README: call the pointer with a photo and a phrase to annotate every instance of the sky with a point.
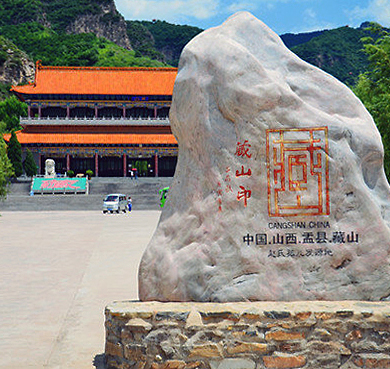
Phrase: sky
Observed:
(282, 16)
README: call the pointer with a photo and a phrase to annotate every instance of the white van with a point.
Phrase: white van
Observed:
(115, 202)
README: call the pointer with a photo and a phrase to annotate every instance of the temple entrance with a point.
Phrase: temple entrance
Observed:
(144, 166)
(167, 166)
(81, 165)
(111, 166)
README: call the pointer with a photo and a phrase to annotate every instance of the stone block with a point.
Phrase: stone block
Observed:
(246, 348)
(170, 364)
(233, 364)
(283, 336)
(138, 325)
(114, 349)
(210, 350)
(367, 361)
(135, 352)
(284, 361)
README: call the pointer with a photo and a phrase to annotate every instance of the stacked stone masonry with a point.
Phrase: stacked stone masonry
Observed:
(253, 335)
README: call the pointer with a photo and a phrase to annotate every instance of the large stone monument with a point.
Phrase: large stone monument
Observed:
(279, 191)
(279, 194)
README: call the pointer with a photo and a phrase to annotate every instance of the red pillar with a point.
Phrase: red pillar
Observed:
(29, 111)
(96, 111)
(67, 111)
(40, 164)
(155, 165)
(39, 111)
(124, 165)
(67, 162)
(96, 164)
(124, 111)
(155, 111)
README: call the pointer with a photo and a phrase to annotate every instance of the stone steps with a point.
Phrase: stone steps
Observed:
(143, 191)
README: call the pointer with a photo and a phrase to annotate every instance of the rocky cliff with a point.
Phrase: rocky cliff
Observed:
(15, 66)
(109, 23)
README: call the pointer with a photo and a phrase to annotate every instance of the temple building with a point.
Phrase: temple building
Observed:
(108, 120)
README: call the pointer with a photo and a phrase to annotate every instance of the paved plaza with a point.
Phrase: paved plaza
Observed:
(58, 271)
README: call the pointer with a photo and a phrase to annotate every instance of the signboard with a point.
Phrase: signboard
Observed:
(59, 185)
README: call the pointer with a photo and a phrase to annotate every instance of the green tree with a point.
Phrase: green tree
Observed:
(29, 165)
(11, 109)
(373, 86)
(6, 171)
(15, 154)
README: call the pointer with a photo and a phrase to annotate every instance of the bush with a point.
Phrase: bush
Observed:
(89, 173)
(70, 173)
(29, 165)
(14, 152)
(6, 170)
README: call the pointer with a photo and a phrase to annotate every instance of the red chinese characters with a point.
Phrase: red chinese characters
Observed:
(244, 193)
(243, 151)
(53, 184)
(298, 172)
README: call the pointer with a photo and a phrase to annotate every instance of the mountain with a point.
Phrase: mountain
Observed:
(338, 52)
(170, 39)
(68, 16)
(159, 39)
(94, 33)
(294, 39)
(67, 32)
(15, 65)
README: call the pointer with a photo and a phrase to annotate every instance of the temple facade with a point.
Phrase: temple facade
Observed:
(109, 120)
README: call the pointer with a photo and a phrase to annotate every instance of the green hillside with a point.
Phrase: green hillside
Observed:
(25, 23)
(57, 13)
(338, 52)
(159, 39)
(85, 49)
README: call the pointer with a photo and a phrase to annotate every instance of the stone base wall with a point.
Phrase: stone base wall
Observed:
(253, 335)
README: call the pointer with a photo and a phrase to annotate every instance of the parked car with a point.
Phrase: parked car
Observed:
(115, 202)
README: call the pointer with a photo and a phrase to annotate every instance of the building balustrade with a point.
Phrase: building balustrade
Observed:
(159, 121)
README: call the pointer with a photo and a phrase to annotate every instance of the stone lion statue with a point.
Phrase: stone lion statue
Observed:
(50, 168)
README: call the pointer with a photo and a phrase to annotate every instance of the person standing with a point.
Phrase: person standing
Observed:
(129, 203)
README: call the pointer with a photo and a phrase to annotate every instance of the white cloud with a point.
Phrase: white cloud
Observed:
(310, 23)
(235, 7)
(376, 10)
(310, 14)
(169, 10)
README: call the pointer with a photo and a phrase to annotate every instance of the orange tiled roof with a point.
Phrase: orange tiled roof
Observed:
(100, 81)
(92, 138)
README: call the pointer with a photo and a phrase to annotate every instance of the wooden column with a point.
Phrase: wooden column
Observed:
(96, 164)
(124, 165)
(155, 111)
(67, 162)
(67, 111)
(40, 164)
(96, 111)
(124, 111)
(155, 165)
(39, 110)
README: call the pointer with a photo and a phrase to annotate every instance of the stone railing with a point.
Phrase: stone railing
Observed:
(104, 121)
(248, 335)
